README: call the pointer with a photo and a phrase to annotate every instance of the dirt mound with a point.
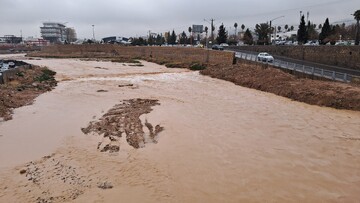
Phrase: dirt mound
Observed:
(323, 93)
(24, 87)
(125, 118)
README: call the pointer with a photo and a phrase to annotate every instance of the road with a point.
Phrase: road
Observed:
(307, 63)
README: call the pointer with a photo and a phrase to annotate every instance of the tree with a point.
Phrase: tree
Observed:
(286, 27)
(242, 27)
(320, 26)
(206, 35)
(292, 28)
(235, 26)
(263, 31)
(302, 33)
(190, 30)
(173, 38)
(248, 38)
(311, 33)
(325, 32)
(160, 40)
(222, 35)
(183, 38)
(279, 28)
(357, 18)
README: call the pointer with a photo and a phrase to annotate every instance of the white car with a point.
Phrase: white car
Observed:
(224, 45)
(265, 57)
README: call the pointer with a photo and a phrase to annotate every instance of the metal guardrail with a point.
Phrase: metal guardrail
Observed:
(332, 75)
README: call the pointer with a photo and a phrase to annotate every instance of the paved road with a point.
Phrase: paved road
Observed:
(308, 63)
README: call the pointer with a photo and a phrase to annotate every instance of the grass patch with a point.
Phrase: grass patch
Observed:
(46, 75)
(197, 66)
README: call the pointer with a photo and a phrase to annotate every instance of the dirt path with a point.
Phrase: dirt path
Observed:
(220, 143)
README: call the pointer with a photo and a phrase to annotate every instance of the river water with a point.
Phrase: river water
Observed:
(221, 143)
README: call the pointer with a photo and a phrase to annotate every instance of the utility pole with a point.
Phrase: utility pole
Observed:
(211, 21)
(212, 31)
(275, 27)
(93, 32)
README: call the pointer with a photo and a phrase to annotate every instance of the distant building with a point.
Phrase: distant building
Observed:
(30, 41)
(10, 39)
(116, 40)
(54, 32)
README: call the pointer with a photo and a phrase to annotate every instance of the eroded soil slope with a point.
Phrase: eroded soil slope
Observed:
(23, 88)
(323, 93)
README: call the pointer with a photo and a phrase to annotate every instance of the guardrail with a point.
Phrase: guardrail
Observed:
(332, 75)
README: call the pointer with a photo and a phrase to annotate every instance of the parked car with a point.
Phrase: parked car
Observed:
(224, 45)
(265, 57)
(217, 47)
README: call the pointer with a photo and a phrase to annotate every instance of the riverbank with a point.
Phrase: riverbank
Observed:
(23, 87)
(315, 92)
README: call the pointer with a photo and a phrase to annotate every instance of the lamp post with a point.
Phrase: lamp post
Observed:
(275, 27)
(93, 26)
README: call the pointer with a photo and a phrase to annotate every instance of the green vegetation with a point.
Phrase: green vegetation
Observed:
(248, 38)
(263, 31)
(46, 75)
(197, 66)
(357, 18)
(222, 35)
(20, 74)
(325, 32)
(302, 33)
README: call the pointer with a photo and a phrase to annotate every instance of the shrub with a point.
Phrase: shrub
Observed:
(197, 66)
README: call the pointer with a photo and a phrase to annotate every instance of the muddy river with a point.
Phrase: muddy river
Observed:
(220, 143)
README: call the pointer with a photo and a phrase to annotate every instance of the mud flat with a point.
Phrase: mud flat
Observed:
(220, 142)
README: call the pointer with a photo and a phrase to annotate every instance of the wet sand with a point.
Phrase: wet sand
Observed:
(221, 142)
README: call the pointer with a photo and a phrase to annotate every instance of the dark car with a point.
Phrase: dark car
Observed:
(217, 47)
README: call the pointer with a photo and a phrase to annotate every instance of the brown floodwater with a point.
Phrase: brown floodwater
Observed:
(221, 143)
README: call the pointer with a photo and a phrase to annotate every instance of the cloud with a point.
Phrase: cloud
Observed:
(137, 17)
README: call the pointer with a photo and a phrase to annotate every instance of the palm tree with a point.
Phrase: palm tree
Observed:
(235, 26)
(243, 27)
(357, 18)
(263, 31)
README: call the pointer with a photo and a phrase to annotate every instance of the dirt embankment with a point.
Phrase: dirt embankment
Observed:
(23, 88)
(323, 93)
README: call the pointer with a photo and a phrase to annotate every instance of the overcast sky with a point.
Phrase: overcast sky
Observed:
(136, 17)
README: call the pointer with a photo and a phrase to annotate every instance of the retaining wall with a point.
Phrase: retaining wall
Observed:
(342, 56)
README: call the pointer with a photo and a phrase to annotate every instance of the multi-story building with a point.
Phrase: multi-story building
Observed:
(54, 32)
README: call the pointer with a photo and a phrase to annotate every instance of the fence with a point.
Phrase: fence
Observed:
(332, 75)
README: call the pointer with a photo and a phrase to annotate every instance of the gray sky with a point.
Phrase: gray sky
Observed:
(136, 17)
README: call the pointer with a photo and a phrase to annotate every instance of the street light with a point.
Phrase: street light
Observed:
(93, 32)
(275, 27)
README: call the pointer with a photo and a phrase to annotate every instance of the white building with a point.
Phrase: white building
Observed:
(54, 32)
